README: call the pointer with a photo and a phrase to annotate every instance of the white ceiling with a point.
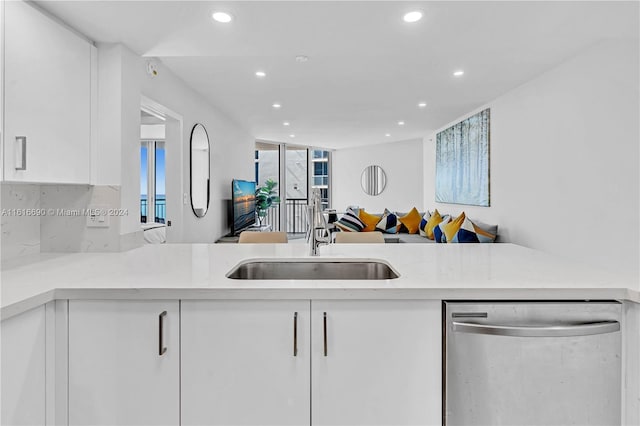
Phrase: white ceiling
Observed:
(367, 69)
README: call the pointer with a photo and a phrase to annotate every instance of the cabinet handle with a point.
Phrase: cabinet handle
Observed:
(295, 334)
(559, 330)
(161, 347)
(324, 321)
(21, 153)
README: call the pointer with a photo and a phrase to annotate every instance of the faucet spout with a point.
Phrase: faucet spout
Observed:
(318, 233)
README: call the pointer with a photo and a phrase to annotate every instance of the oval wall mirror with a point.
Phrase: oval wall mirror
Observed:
(200, 170)
(373, 180)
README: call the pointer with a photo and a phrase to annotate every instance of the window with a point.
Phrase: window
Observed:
(153, 202)
(320, 177)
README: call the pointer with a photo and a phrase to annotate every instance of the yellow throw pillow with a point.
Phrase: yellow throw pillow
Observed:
(411, 221)
(370, 220)
(452, 228)
(433, 221)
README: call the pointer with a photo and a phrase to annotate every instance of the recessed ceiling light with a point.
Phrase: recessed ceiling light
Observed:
(261, 74)
(302, 58)
(387, 134)
(414, 16)
(222, 17)
(400, 123)
(286, 123)
(292, 136)
(422, 104)
(458, 73)
(276, 105)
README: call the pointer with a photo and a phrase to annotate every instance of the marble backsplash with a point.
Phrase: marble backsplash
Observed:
(20, 234)
(63, 228)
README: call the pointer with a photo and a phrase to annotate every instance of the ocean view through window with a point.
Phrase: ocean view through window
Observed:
(153, 181)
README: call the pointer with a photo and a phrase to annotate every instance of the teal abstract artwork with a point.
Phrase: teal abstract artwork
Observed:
(462, 162)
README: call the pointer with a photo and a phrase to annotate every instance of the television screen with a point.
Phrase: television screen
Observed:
(244, 204)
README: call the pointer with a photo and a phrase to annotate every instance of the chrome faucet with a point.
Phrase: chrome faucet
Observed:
(318, 233)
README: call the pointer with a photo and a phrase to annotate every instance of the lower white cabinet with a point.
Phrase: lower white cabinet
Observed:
(320, 362)
(226, 363)
(376, 362)
(245, 362)
(124, 362)
(23, 369)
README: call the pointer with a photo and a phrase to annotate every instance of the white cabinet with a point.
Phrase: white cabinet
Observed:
(124, 362)
(47, 98)
(380, 365)
(23, 368)
(240, 365)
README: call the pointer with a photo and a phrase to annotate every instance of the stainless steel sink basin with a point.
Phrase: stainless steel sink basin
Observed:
(312, 269)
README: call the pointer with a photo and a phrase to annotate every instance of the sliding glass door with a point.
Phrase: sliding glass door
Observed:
(267, 163)
(297, 184)
(304, 169)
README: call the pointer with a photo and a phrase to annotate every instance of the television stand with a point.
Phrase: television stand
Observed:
(258, 228)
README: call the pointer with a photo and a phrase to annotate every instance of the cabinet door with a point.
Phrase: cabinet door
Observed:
(117, 374)
(47, 98)
(23, 369)
(239, 366)
(381, 364)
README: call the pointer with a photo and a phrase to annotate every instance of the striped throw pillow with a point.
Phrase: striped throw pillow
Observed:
(423, 224)
(438, 230)
(463, 230)
(388, 223)
(350, 222)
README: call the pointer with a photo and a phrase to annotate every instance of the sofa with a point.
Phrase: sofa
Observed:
(394, 230)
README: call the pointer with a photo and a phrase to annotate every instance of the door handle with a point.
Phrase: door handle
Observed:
(161, 347)
(560, 330)
(324, 322)
(295, 334)
(21, 153)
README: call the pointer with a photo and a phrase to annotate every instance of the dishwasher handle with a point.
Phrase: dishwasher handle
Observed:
(563, 330)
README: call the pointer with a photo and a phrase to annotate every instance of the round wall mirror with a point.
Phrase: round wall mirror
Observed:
(200, 170)
(373, 180)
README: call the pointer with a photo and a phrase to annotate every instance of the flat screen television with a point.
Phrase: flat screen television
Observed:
(243, 200)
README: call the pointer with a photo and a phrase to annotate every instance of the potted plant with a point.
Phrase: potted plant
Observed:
(266, 197)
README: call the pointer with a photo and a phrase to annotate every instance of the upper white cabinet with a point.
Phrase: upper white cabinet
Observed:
(376, 362)
(23, 369)
(124, 363)
(47, 99)
(245, 362)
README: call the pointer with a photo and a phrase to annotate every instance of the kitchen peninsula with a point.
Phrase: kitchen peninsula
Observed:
(165, 321)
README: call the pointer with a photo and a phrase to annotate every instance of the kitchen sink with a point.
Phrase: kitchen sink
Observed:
(312, 269)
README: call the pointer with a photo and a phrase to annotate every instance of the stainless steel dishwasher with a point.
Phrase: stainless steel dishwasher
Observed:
(534, 363)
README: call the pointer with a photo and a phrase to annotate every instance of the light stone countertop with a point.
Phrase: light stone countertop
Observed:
(195, 271)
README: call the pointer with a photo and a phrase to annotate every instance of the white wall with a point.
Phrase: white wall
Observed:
(108, 167)
(231, 146)
(403, 165)
(564, 160)
(231, 150)
(130, 155)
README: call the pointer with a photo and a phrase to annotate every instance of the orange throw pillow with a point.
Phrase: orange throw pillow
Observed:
(451, 228)
(433, 221)
(370, 220)
(411, 221)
